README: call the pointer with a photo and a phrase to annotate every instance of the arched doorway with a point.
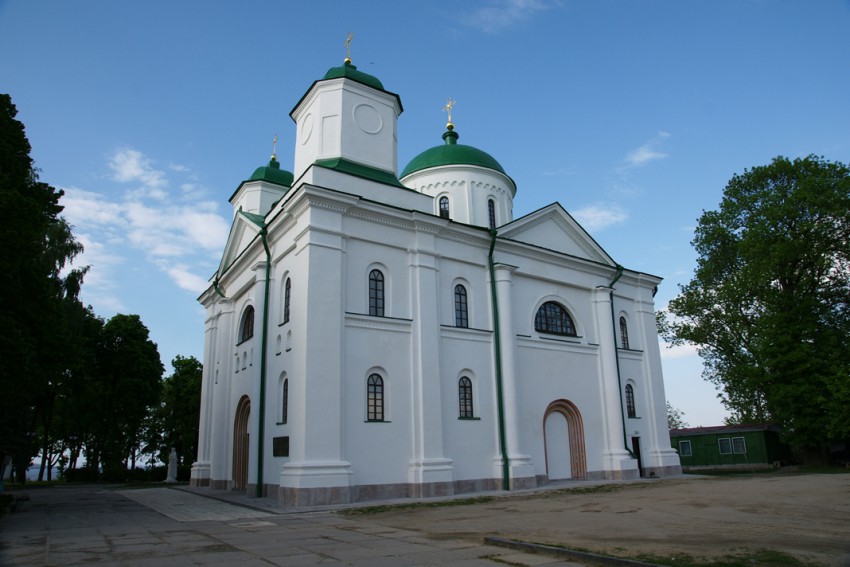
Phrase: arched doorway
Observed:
(240, 444)
(563, 438)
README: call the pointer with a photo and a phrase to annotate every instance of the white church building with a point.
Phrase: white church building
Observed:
(373, 335)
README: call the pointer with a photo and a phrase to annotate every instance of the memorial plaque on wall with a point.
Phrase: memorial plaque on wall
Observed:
(280, 446)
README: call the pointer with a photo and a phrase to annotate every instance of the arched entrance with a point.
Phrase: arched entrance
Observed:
(240, 444)
(563, 438)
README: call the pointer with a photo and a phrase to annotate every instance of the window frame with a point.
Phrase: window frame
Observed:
(466, 407)
(682, 445)
(551, 316)
(461, 306)
(727, 445)
(284, 403)
(443, 207)
(631, 410)
(287, 288)
(491, 212)
(377, 293)
(375, 398)
(743, 443)
(624, 333)
(246, 326)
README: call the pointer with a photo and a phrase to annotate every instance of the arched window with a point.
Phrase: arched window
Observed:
(247, 329)
(461, 311)
(444, 207)
(491, 211)
(630, 401)
(284, 402)
(553, 318)
(287, 288)
(464, 394)
(375, 398)
(376, 293)
(624, 333)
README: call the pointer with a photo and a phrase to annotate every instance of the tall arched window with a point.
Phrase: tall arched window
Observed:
(461, 310)
(375, 398)
(464, 394)
(246, 331)
(553, 318)
(624, 333)
(287, 288)
(376, 293)
(284, 402)
(444, 207)
(630, 401)
(491, 211)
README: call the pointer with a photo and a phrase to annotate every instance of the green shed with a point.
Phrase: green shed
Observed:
(730, 446)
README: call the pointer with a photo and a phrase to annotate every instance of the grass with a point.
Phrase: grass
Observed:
(757, 558)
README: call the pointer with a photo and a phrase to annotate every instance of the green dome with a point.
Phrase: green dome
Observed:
(272, 173)
(451, 153)
(349, 71)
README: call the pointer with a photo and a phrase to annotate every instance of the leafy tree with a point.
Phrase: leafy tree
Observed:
(125, 389)
(768, 304)
(37, 244)
(675, 418)
(177, 418)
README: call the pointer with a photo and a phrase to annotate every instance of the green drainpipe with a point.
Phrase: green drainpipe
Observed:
(497, 348)
(264, 338)
(617, 358)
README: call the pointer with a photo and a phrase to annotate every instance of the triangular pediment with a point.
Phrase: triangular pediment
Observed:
(554, 228)
(245, 228)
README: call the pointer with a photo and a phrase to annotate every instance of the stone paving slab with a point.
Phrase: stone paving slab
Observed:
(81, 525)
(185, 507)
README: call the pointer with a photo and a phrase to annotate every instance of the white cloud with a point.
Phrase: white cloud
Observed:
(648, 151)
(678, 351)
(598, 216)
(187, 280)
(501, 14)
(130, 165)
(177, 239)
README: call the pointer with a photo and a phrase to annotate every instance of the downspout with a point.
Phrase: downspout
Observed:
(617, 358)
(264, 339)
(497, 349)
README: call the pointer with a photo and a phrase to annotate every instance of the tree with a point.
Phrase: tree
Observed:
(177, 418)
(675, 418)
(768, 304)
(37, 245)
(125, 389)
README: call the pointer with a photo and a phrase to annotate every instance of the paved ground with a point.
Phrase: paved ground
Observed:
(807, 516)
(76, 525)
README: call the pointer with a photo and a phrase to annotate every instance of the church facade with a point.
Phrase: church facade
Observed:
(372, 335)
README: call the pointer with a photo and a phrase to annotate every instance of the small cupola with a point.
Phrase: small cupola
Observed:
(468, 185)
(263, 189)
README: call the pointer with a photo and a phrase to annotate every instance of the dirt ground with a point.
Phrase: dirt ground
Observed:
(804, 515)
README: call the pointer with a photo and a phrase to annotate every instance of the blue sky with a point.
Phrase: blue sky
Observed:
(632, 114)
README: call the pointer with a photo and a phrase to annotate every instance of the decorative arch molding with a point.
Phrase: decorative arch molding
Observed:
(575, 426)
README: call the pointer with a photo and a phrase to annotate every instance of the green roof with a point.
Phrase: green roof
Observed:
(451, 153)
(349, 71)
(272, 173)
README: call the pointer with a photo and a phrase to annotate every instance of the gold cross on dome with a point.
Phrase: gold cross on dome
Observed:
(347, 46)
(448, 108)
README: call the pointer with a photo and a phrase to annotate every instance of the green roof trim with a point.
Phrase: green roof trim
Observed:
(258, 220)
(358, 169)
(349, 71)
(272, 173)
(451, 153)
